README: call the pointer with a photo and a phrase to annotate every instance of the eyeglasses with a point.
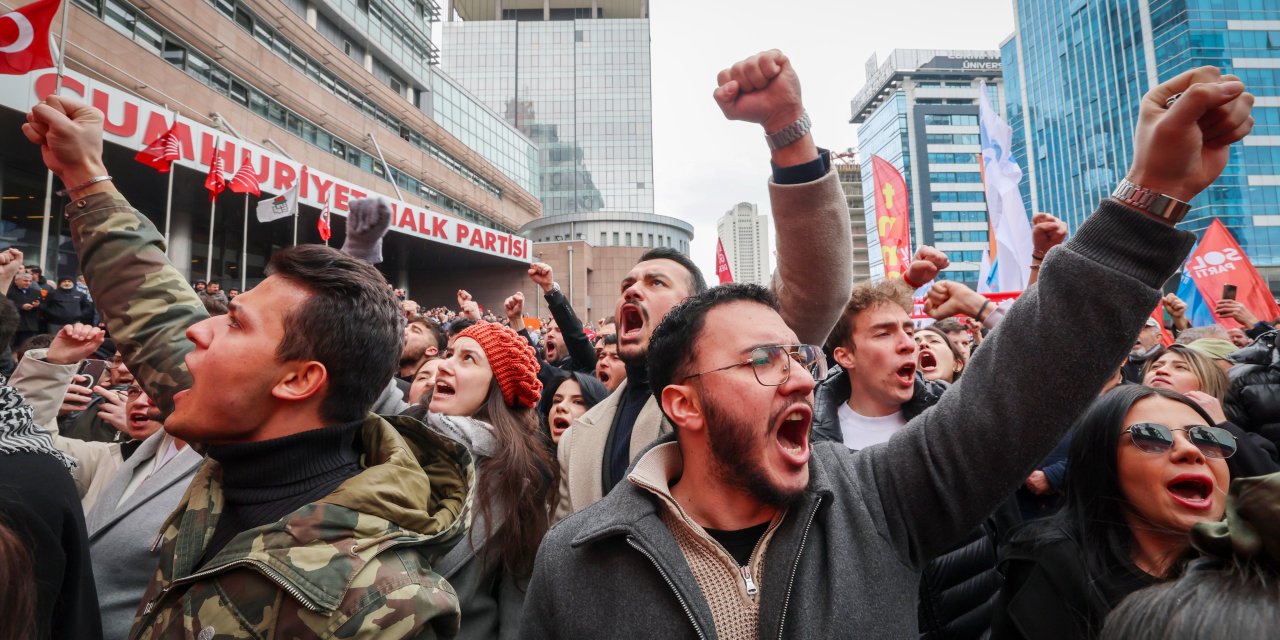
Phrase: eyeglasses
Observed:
(772, 364)
(1157, 438)
(134, 391)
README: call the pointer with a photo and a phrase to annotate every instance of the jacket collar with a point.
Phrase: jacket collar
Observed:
(105, 512)
(414, 490)
(835, 390)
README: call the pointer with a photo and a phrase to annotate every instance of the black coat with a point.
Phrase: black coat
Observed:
(65, 306)
(39, 502)
(1253, 402)
(29, 319)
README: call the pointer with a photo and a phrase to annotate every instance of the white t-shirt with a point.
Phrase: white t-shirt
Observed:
(860, 432)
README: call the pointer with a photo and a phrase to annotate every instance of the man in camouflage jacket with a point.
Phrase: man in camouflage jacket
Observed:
(353, 564)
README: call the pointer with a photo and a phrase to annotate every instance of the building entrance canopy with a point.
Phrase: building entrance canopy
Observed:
(132, 123)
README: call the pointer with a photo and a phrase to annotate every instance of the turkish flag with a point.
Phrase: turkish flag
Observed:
(24, 38)
(162, 151)
(893, 217)
(1218, 261)
(216, 182)
(722, 264)
(245, 180)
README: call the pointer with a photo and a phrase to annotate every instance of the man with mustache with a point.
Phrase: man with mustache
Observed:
(736, 527)
(813, 248)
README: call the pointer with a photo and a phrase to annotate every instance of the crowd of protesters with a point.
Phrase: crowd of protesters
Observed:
(320, 456)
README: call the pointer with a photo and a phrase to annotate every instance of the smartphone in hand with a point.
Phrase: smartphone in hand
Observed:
(1228, 292)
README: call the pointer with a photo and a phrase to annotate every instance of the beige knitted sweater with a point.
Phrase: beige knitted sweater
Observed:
(732, 592)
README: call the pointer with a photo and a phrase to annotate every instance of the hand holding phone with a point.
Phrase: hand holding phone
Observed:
(1228, 292)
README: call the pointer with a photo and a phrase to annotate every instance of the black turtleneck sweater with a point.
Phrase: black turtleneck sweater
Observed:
(618, 446)
(264, 481)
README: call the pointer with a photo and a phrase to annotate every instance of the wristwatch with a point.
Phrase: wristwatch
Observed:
(1151, 202)
(790, 133)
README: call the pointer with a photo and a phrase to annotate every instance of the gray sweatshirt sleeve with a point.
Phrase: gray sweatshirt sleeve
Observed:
(952, 465)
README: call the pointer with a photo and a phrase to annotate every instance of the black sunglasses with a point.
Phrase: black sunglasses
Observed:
(1213, 442)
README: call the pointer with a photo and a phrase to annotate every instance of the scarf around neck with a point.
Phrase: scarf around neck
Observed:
(18, 431)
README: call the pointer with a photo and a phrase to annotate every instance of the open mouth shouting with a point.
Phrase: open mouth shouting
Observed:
(444, 390)
(927, 362)
(1192, 491)
(906, 374)
(631, 321)
(602, 375)
(559, 424)
(791, 433)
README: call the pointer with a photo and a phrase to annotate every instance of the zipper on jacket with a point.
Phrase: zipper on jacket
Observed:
(270, 573)
(750, 584)
(684, 605)
(786, 602)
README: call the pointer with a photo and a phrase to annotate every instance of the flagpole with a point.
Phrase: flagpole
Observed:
(244, 246)
(295, 224)
(385, 166)
(48, 183)
(208, 267)
(168, 197)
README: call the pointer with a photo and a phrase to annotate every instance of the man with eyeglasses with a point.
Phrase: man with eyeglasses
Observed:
(735, 526)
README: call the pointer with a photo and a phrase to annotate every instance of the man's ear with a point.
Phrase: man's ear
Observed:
(843, 357)
(681, 404)
(301, 381)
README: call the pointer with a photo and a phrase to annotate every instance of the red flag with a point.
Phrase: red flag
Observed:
(24, 37)
(1217, 261)
(722, 264)
(1166, 338)
(245, 180)
(893, 217)
(322, 224)
(162, 151)
(216, 182)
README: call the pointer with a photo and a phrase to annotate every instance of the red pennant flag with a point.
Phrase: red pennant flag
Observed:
(893, 217)
(245, 180)
(216, 182)
(722, 264)
(162, 151)
(1218, 261)
(322, 224)
(24, 38)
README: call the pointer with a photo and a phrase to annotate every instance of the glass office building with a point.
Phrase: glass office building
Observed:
(1081, 68)
(575, 80)
(919, 112)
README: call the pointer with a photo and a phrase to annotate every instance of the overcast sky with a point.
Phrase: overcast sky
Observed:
(705, 164)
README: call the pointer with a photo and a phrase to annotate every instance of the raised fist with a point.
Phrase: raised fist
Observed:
(69, 132)
(763, 89)
(73, 343)
(368, 220)
(469, 308)
(514, 307)
(948, 298)
(925, 266)
(540, 273)
(1180, 149)
(1174, 305)
(1047, 232)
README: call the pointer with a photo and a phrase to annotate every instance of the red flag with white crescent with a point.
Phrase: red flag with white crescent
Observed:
(24, 37)
(322, 225)
(722, 264)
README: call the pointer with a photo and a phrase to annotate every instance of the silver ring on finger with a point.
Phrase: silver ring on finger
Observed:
(1168, 104)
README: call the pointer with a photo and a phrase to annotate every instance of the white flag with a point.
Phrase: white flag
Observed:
(1008, 216)
(281, 206)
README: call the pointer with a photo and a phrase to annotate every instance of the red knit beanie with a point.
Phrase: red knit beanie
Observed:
(513, 361)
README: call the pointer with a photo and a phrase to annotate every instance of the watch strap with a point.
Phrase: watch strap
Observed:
(1152, 202)
(790, 133)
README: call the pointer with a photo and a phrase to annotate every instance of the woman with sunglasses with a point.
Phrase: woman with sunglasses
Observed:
(1189, 372)
(1145, 466)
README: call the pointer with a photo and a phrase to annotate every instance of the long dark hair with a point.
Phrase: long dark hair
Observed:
(17, 573)
(521, 478)
(1095, 504)
(593, 391)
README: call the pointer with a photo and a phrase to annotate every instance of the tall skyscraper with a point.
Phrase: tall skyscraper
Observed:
(1080, 70)
(576, 79)
(744, 234)
(850, 174)
(919, 112)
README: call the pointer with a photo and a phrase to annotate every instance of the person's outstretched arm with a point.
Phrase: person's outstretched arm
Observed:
(950, 467)
(146, 301)
(582, 355)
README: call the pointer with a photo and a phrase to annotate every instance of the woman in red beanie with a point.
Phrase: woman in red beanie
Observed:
(490, 375)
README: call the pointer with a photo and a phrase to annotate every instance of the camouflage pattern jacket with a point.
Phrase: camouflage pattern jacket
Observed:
(356, 564)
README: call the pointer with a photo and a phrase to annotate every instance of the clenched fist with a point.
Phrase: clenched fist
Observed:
(514, 308)
(69, 132)
(541, 274)
(925, 266)
(1047, 232)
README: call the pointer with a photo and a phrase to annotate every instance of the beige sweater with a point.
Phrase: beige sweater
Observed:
(732, 592)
